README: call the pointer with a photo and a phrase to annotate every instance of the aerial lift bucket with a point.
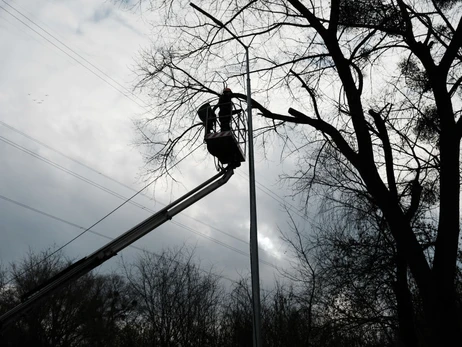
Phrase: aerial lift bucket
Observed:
(227, 146)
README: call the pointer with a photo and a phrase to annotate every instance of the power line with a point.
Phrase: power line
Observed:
(76, 53)
(125, 92)
(50, 162)
(126, 200)
(62, 168)
(103, 218)
(279, 199)
(82, 228)
(99, 173)
(107, 190)
(261, 186)
(67, 157)
(129, 200)
(224, 244)
(89, 229)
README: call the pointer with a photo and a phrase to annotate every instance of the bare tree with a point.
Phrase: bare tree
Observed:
(343, 277)
(356, 257)
(178, 304)
(236, 322)
(86, 312)
(287, 319)
(375, 83)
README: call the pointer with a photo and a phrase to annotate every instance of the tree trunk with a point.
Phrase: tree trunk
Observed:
(407, 331)
(448, 330)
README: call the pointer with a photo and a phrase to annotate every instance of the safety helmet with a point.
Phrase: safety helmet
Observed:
(227, 90)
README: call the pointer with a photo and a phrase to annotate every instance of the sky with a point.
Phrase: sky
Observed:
(69, 153)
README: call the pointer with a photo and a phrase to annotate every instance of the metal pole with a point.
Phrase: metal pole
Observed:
(254, 267)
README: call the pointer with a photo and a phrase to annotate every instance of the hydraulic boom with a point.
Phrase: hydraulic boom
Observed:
(111, 249)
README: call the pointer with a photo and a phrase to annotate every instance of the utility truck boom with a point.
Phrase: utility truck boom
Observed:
(111, 249)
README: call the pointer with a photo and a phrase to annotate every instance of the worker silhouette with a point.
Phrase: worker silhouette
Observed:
(226, 109)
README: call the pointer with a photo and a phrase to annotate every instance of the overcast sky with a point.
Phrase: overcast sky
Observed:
(67, 147)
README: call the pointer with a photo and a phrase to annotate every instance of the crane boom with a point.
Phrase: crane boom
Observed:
(111, 249)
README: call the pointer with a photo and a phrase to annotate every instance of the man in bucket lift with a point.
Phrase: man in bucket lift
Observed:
(207, 113)
(226, 109)
(224, 146)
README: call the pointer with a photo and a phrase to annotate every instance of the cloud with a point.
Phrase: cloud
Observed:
(102, 13)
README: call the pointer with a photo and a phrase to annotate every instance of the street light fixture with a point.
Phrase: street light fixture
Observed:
(254, 269)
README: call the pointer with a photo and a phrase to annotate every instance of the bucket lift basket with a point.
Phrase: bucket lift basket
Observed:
(227, 146)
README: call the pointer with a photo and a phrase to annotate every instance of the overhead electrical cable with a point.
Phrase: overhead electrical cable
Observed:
(25, 150)
(127, 200)
(108, 214)
(125, 92)
(82, 228)
(279, 199)
(76, 53)
(224, 244)
(62, 168)
(107, 190)
(67, 157)
(260, 186)
(11, 201)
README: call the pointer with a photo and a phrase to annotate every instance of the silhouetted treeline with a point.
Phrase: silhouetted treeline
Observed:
(168, 300)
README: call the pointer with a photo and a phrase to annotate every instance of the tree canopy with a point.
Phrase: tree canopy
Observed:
(366, 95)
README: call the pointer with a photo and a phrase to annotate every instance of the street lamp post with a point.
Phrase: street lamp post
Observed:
(254, 268)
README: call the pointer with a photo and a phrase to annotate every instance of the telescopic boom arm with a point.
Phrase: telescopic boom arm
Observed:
(106, 252)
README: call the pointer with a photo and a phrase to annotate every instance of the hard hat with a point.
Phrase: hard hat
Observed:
(227, 90)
